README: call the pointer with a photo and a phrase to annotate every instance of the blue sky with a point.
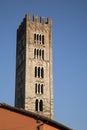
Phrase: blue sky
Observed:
(69, 54)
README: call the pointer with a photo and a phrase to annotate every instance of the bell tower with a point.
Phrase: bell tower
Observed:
(34, 76)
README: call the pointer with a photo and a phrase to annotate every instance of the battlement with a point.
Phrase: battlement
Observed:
(42, 19)
(35, 19)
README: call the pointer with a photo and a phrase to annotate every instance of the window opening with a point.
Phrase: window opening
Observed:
(37, 53)
(35, 88)
(34, 53)
(37, 37)
(43, 54)
(40, 37)
(42, 88)
(43, 39)
(42, 72)
(38, 88)
(35, 71)
(34, 37)
(36, 105)
(39, 72)
(40, 52)
(41, 105)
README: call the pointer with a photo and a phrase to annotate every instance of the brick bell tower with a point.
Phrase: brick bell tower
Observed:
(34, 76)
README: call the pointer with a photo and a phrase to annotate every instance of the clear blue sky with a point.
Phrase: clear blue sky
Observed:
(69, 54)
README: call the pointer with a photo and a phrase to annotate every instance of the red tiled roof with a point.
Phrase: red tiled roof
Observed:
(35, 116)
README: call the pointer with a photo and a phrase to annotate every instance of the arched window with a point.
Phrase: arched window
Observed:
(38, 88)
(35, 88)
(41, 88)
(38, 72)
(43, 54)
(40, 52)
(37, 37)
(42, 72)
(40, 39)
(34, 37)
(43, 39)
(35, 71)
(34, 53)
(37, 53)
(41, 105)
(36, 105)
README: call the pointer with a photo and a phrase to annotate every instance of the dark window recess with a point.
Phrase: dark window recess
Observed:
(35, 71)
(43, 54)
(42, 72)
(42, 88)
(37, 37)
(43, 39)
(34, 37)
(37, 53)
(40, 53)
(34, 53)
(36, 105)
(40, 39)
(41, 105)
(35, 88)
(38, 72)
(38, 88)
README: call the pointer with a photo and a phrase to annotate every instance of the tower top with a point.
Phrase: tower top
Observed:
(42, 19)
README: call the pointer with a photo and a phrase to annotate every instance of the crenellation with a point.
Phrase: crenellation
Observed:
(35, 18)
(49, 21)
(27, 16)
(42, 20)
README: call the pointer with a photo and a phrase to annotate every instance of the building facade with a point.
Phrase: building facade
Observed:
(34, 76)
